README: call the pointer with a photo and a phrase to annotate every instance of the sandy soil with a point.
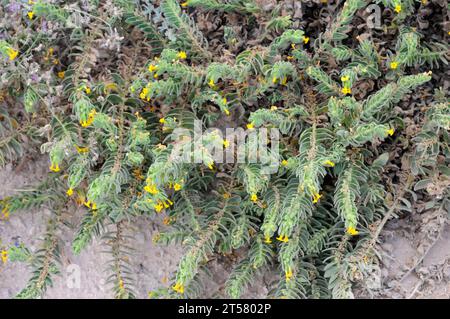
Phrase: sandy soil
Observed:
(153, 264)
(421, 237)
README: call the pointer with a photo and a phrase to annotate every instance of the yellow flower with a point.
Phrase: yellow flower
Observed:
(293, 46)
(398, 8)
(352, 231)
(288, 274)
(316, 197)
(267, 240)
(329, 163)
(305, 40)
(94, 206)
(226, 143)
(345, 78)
(284, 81)
(69, 191)
(178, 288)
(152, 68)
(227, 112)
(184, 4)
(177, 187)
(82, 150)
(284, 162)
(162, 120)
(283, 239)
(151, 188)
(4, 256)
(390, 132)
(90, 119)
(210, 165)
(290, 58)
(159, 207)
(144, 93)
(274, 80)
(87, 204)
(346, 90)
(54, 168)
(5, 212)
(12, 54)
(393, 65)
(61, 74)
(254, 198)
(182, 55)
(250, 126)
(211, 83)
(30, 15)
(87, 90)
(273, 108)
(224, 100)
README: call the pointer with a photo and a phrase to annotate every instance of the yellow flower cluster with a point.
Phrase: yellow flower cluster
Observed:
(393, 65)
(54, 168)
(182, 55)
(12, 54)
(352, 231)
(288, 274)
(345, 81)
(390, 132)
(90, 119)
(178, 287)
(161, 205)
(283, 239)
(152, 68)
(144, 94)
(91, 205)
(316, 197)
(151, 188)
(4, 256)
(398, 8)
(329, 163)
(82, 150)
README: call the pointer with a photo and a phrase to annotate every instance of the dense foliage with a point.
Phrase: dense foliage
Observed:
(102, 86)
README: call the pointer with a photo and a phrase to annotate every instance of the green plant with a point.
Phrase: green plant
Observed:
(111, 131)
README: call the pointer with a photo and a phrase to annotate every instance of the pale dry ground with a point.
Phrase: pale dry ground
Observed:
(152, 263)
(404, 242)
